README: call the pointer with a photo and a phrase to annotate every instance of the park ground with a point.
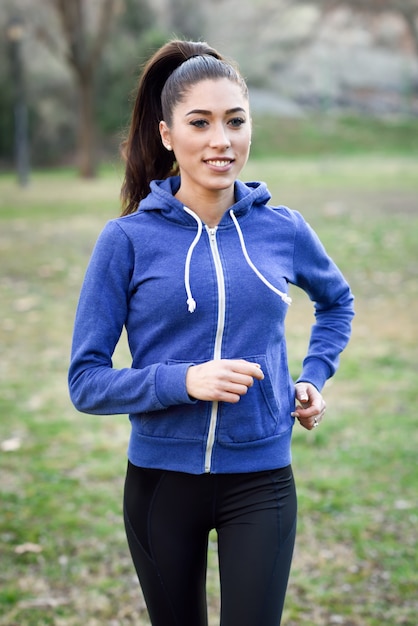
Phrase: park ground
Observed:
(63, 554)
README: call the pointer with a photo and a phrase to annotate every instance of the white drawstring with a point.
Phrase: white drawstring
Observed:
(287, 299)
(191, 302)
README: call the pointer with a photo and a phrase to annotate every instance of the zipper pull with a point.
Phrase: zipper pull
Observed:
(212, 234)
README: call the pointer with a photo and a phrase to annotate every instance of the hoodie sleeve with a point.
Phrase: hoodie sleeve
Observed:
(95, 386)
(316, 273)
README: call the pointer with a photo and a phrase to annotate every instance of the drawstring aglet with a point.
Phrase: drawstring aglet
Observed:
(191, 305)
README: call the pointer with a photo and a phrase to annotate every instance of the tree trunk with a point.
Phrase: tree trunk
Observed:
(411, 21)
(87, 162)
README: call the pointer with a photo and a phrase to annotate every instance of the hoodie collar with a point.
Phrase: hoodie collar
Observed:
(162, 199)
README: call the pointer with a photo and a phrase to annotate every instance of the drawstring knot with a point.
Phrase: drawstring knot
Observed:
(191, 305)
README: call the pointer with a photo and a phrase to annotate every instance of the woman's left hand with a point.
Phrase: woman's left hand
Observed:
(310, 407)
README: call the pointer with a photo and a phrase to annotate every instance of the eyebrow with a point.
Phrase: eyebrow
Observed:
(204, 112)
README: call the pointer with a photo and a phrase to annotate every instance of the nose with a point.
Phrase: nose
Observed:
(220, 137)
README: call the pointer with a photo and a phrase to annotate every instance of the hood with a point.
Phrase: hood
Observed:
(162, 198)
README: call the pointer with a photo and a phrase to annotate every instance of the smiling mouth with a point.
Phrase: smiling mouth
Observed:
(219, 162)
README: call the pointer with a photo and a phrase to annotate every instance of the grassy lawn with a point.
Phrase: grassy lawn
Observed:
(64, 559)
(324, 133)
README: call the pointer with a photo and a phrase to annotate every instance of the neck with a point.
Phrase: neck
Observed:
(209, 207)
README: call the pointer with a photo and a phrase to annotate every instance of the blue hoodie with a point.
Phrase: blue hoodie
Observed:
(189, 294)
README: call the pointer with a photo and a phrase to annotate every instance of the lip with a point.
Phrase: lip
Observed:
(220, 164)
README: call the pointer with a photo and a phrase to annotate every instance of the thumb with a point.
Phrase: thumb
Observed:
(302, 393)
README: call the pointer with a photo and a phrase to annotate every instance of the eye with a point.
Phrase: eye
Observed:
(236, 122)
(199, 123)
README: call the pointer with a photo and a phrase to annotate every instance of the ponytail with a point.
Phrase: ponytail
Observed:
(144, 154)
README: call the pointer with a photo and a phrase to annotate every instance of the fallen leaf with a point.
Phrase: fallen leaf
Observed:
(10, 445)
(28, 547)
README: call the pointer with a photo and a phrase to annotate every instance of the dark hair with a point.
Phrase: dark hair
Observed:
(164, 81)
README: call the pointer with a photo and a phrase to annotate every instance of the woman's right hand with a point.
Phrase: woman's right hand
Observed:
(223, 380)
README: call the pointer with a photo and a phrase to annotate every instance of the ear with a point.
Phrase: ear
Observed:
(165, 135)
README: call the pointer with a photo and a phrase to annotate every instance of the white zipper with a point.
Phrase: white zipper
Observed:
(217, 350)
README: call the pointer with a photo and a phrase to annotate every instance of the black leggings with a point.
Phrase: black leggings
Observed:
(168, 517)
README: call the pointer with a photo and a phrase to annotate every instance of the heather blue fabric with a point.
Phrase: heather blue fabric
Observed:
(135, 279)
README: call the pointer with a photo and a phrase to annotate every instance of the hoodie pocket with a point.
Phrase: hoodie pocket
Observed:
(255, 416)
(178, 421)
(183, 421)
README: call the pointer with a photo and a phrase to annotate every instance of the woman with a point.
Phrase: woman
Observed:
(197, 269)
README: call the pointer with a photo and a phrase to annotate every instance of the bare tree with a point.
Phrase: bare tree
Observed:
(84, 49)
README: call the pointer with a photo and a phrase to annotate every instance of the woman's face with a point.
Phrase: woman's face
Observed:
(210, 135)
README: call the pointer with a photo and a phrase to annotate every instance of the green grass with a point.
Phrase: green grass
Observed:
(323, 134)
(355, 562)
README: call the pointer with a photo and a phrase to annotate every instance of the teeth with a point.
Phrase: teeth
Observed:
(219, 163)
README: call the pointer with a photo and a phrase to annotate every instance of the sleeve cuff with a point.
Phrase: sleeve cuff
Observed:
(170, 384)
(316, 372)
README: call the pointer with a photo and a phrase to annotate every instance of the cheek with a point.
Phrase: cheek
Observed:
(245, 144)
(187, 147)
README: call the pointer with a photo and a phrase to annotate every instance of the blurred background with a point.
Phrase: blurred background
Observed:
(334, 94)
(67, 69)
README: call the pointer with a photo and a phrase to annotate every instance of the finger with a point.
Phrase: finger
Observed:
(241, 379)
(311, 422)
(259, 374)
(236, 389)
(234, 384)
(226, 396)
(308, 424)
(241, 366)
(229, 377)
(306, 413)
(316, 408)
(302, 397)
(302, 392)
